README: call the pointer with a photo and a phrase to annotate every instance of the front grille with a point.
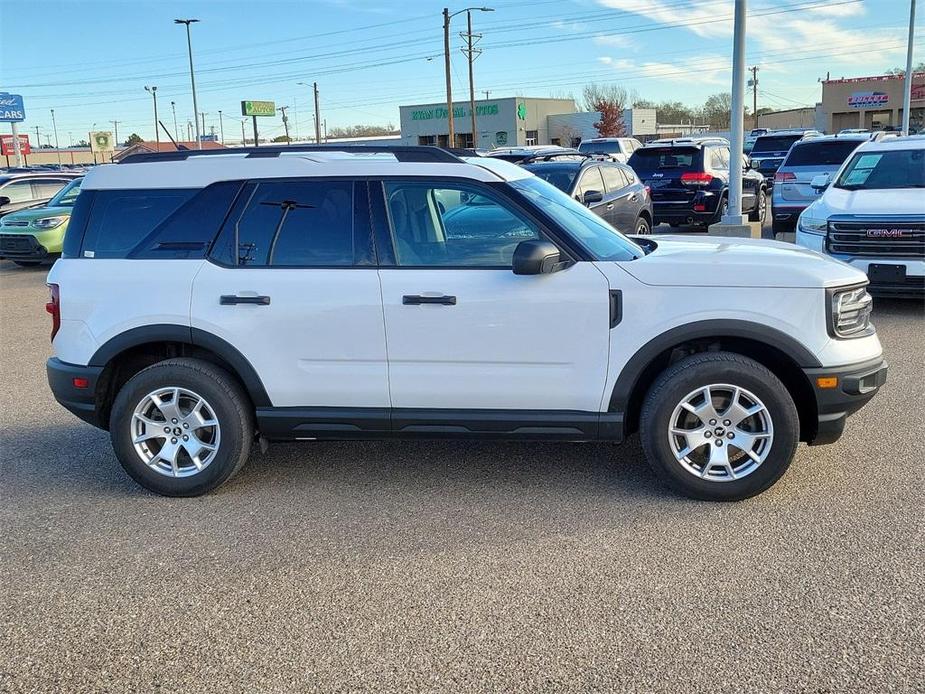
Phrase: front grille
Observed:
(14, 224)
(877, 239)
(18, 243)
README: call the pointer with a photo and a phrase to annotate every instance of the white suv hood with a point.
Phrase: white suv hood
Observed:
(705, 261)
(879, 202)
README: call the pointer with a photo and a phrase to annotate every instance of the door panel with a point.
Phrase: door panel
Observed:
(509, 342)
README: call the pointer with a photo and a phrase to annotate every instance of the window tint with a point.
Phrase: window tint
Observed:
(828, 153)
(590, 180)
(561, 177)
(43, 188)
(305, 223)
(663, 158)
(779, 143)
(121, 218)
(614, 178)
(67, 195)
(18, 191)
(719, 158)
(455, 226)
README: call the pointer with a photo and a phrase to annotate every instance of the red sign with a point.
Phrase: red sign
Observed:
(6, 145)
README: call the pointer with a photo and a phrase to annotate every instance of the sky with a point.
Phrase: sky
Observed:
(90, 61)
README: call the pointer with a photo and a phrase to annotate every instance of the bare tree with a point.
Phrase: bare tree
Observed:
(609, 100)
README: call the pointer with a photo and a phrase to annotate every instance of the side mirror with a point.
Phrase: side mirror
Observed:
(820, 182)
(592, 196)
(746, 163)
(535, 257)
(4, 201)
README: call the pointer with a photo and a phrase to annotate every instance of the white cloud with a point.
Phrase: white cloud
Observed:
(700, 16)
(709, 69)
(615, 41)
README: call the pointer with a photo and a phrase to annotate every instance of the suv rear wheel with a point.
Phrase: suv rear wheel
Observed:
(761, 208)
(642, 227)
(719, 426)
(181, 427)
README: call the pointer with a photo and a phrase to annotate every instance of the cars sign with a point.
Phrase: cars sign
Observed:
(258, 108)
(11, 108)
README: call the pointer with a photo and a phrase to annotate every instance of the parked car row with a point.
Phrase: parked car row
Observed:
(36, 234)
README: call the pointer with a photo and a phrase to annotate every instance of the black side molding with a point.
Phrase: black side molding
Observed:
(231, 300)
(416, 300)
(616, 307)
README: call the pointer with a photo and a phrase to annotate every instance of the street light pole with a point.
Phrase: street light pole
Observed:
(447, 16)
(221, 127)
(192, 77)
(907, 88)
(243, 136)
(54, 127)
(157, 135)
(734, 212)
(176, 130)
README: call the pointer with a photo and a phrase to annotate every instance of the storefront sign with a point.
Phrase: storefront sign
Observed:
(6, 145)
(458, 112)
(102, 141)
(258, 108)
(868, 99)
(11, 108)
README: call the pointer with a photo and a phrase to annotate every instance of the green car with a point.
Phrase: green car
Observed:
(32, 236)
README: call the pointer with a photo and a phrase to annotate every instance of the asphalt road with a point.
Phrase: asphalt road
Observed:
(453, 567)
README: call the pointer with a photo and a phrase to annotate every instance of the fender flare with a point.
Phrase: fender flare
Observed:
(167, 332)
(717, 328)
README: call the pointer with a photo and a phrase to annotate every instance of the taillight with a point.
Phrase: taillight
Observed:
(696, 178)
(54, 308)
(780, 177)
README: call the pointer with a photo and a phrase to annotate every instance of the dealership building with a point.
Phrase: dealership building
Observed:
(872, 103)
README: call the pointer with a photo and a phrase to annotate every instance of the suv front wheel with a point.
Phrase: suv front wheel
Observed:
(181, 427)
(761, 208)
(719, 426)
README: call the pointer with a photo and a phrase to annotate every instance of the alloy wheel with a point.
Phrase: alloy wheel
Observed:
(175, 432)
(720, 432)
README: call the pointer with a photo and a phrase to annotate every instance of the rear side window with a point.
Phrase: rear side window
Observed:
(831, 153)
(120, 219)
(614, 178)
(769, 143)
(306, 223)
(665, 158)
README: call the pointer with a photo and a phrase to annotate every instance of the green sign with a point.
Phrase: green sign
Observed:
(458, 112)
(258, 108)
(522, 111)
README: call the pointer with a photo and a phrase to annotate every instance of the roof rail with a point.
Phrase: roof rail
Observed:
(403, 153)
(555, 155)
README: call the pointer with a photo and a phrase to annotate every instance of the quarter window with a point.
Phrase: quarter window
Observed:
(614, 178)
(18, 191)
(450, 226)
(590, 180)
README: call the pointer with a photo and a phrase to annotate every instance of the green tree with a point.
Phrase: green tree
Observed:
(133, 139)
(280, 138)
(902, 71)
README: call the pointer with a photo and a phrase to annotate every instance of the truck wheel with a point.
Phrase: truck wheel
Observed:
(718, 426)
(761, 208)
(182, 427)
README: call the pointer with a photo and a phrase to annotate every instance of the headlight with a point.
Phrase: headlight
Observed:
(813, 225)
(850, 312)
(49, 222)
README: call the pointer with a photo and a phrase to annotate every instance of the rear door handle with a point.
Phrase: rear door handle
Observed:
(231, 300)
(417, 299)
(609, 205)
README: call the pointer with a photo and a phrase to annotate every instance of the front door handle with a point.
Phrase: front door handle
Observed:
(417, 299)
(231, 300)
(609, 205)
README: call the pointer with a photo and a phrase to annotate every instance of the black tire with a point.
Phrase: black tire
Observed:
(229, 403)
(721, 210)
(27, 263)
(699, 370)
(783, 227)
(643, 228)
(760, 213)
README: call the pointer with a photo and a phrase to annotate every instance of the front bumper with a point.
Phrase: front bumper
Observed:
(22, 247)
(857, 384)
(79, 400)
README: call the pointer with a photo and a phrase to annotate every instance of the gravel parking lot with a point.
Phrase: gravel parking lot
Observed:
(457, 566)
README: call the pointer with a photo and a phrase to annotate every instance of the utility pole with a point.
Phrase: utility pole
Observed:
(243, 136)
(283, 109)
(221, 127)
(157, 131)
(176, 130)
(472, 53)
(317, 115)
(754, 86)
(734, 211)
(115, 125)
(189, 131)
(38, 138)
(54, 127)
(203, 131)
(907, 90)
(451, 138)
(192, 77)
(486, 93)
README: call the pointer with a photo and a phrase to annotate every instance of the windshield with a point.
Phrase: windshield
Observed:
(597, 237)
(660, 158)
(829, 153)
(600, 147)
(767, 143)
(561, 178)
(67, 195)
(900, 168)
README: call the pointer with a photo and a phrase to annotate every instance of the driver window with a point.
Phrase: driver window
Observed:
(590, 180)
(452, 226)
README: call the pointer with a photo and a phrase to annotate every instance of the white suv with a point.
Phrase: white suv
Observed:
(209, 300)
(873, 215)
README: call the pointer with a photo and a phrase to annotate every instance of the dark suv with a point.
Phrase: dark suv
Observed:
(689, 181)
(608, 189)
(771, 149)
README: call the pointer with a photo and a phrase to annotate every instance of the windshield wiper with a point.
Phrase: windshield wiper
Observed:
(851, 186)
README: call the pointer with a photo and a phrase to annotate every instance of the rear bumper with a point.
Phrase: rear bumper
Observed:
(701, 208)
(80, 401)
(857, 384)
